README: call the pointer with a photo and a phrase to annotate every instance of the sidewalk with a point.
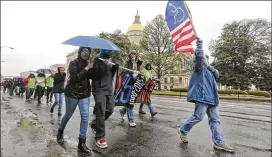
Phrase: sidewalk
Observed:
(21, 134)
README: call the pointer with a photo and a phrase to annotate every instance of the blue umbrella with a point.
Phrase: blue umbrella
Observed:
(92, 42)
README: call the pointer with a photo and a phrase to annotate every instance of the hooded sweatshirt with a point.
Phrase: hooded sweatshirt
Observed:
(102, 75)
(130, 63)
(78, 84)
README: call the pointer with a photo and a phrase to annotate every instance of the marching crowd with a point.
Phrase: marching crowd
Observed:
(76, 90)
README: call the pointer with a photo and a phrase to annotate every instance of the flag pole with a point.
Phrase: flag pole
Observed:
(120, 66)
(190, 17)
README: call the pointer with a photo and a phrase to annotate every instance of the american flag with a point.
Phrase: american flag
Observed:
(177, 15)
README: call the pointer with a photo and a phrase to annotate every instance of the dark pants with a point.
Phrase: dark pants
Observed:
(4, 90)
(11, 89)
(35, 93)
(49, 93)
(104, 106)
(141, 107)
(40, 92)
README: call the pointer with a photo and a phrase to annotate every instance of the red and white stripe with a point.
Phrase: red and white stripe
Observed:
(186, 49)
(183, 36)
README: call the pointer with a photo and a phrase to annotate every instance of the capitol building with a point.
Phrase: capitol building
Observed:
(136, 30)
(177, 77)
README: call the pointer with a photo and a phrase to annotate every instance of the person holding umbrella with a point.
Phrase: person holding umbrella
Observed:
(77, 93)
(102, 77)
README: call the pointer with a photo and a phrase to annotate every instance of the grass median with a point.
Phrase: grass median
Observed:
(221, 96)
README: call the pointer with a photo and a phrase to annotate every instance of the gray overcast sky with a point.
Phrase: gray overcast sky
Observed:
(36, 29)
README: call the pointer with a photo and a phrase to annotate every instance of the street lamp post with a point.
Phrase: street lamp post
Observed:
(1, 69)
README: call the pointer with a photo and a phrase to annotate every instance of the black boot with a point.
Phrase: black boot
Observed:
(60, 139)
(141, 111)
(153, 113)
(82, 148)
(51, 110)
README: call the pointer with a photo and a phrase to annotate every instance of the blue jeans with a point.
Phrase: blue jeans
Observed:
(58, 100)
(29, 92)
(130, 114)
(129, 111)
(214, 121)
(150, 107)
(71, 105)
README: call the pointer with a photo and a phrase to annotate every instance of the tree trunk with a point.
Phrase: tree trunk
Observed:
(159, 77)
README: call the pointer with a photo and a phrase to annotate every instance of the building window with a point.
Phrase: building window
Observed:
(171, 80)
(165, 87)
(171, 87)
(180, 80)
(165, 80)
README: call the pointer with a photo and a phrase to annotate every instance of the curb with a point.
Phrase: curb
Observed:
(224, 98)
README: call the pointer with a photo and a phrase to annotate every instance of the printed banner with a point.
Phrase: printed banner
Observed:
(127, 90)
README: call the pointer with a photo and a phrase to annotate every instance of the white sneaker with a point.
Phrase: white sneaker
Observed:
(132, 124)
(101, 143)
(122, 114)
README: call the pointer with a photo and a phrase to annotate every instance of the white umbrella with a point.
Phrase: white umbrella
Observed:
(27, 73)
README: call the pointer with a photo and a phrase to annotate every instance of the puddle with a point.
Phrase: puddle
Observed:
(31, 126)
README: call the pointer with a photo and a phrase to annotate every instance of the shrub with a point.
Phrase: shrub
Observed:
(259, 93)
(232, 92)
(178, 89)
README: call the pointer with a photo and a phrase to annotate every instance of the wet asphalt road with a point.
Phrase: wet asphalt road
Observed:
(246, 126)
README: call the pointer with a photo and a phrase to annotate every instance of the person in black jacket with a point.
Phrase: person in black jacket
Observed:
(58, 89)
(102, 80)
(77, 93)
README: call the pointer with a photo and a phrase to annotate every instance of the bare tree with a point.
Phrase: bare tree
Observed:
(157, 46)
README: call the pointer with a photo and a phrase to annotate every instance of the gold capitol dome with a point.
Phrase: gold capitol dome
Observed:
(136, 26)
